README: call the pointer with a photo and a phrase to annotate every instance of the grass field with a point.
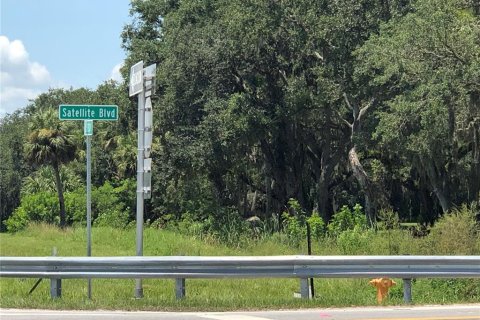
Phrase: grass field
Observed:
(38, 240)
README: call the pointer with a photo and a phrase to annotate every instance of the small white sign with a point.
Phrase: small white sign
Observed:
(150, 71)
(150, 75)
(147, 178)
(148, 127)
(136, 79)
(88, 127)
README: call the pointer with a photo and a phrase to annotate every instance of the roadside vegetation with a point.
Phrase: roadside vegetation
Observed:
(343, 236)
(328, 103)
(360, 119)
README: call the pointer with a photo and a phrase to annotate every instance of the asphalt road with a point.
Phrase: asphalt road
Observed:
(457, 312)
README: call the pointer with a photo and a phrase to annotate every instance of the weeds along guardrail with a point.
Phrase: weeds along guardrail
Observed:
(190, 267)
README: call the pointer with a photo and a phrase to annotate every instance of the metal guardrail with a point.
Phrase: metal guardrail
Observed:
(186, 267)
(242, 267)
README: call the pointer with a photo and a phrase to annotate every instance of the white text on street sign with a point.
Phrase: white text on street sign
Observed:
(88, 112)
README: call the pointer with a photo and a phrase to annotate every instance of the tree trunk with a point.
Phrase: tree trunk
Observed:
(322, 169)
(373, 200)
(268, 195)
(295, 164)
(443, 199)
(219, 185)
(326, 168)
(254, 204)
(322, 196)
(61, 200)
(362, 178)
(474, 183)
(276, 171)
(439, 185)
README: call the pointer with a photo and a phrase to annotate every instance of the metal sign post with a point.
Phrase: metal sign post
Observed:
(149, 73)
(88, 132)
(141, 84)
(136, 87)
(88, 113)
(140, 156)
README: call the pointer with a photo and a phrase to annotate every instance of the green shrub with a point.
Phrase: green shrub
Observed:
(126, 194)
(108, 209)
(293, 228)
(76, 205)
(112, 218)
(317, 225)
(389, 226)
(355, 241)
(229, 228)
(38, 207)
(388, 220)
(18, 220)
(460, 289)
(294, 223)
(346, 219)
(189, 226)
(456, 232)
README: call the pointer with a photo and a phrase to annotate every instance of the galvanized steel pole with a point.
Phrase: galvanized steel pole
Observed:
(89, 207)
(407, 291)
(55, 283)
(140, 191)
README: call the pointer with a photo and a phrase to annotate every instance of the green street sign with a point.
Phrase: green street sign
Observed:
(88, 112)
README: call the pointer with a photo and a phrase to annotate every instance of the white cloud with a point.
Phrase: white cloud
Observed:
(13, 51)
(20, 78)
(39, 73)
(115, 74)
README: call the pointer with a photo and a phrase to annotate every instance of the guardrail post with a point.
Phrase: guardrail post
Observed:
(304, 289)
(407, 291)
(55, 283)
(55, 288)
(179, 288)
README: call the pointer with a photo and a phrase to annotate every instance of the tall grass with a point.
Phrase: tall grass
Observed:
(225, 294)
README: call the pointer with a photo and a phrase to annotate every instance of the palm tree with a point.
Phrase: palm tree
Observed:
(125, 155)
(48, 144)
(43, 180)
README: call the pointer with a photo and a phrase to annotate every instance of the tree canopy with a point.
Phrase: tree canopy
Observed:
(257, 102)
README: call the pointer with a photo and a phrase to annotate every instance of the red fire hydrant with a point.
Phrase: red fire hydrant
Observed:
(382, 285)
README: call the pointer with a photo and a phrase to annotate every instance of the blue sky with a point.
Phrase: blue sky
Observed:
(58, 43)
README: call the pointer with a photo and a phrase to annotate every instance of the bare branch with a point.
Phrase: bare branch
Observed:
(364, 110)
(312, 154)
(347, 101)
(318, 55)
(354, 107)
(348, 124)
(450, 49)
(425, 51)
(283, 76)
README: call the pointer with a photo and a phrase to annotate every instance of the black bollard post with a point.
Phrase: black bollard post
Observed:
(309, 250)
